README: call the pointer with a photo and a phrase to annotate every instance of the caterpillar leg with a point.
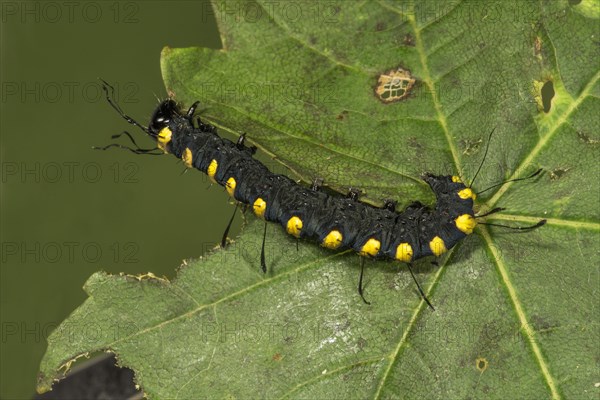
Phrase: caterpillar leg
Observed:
(241, 140)
(536, 173)
(224, 239)
(360, 280)
(110, 96)
(541, 222)
(353, 194)
(389, 205)
(206, 127)
(493, 211)
(317, 184)
(190, 112)
(419, 286)
(415, 205)
(136, 151)
(241, 144)
(263, 264)
(132, 140)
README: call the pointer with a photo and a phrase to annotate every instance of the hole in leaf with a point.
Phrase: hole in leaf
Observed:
(481, 364)
(547, 95)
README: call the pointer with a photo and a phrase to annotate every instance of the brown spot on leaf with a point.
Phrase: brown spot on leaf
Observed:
(394, 85)
(470, 146)
(342, 115)
(537, 46)
(586, 139)
(380, 26)
(362, 343)
(408, 40)
(541, 324)
(277, 357)
(557, 173)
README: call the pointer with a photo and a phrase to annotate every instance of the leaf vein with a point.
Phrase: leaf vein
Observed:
(318, 377)
(525, 325)
(550, 221)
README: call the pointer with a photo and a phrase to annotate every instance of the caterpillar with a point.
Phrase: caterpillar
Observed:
(334, 221)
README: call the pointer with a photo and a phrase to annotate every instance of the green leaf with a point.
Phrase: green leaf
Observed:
(516, 313)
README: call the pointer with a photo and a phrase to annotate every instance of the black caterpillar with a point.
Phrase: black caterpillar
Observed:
(334, 221)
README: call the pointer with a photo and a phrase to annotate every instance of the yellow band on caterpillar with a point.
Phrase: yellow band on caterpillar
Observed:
(187, 157)
(370, 248)
(437, 246)
(259, 207)
(230, 186)
(465, 223)
(404, 252)
(333, 240)
(163, 138)
(212, 170)
(466, 193)
(294, 226)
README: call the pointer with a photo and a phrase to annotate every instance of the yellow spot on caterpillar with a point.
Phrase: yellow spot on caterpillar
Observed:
(333, 240)
(466, 193)
(404, 252)
(230, 186)
(370, 248)
(163, 138)
(294, 226)
(259, 207)
(187, 157)
(437, 246)
(212, 170)
(456, 179)
(465, 223)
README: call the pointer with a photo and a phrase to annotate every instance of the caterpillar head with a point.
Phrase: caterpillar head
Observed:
(454, 201)
(166, 112)
(449, 188)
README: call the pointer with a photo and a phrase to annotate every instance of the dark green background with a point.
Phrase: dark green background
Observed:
(141, 206)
